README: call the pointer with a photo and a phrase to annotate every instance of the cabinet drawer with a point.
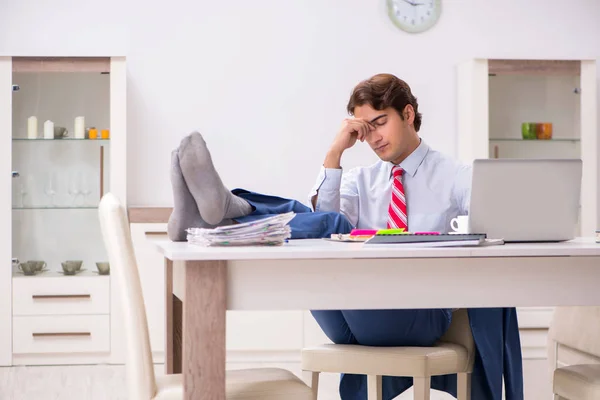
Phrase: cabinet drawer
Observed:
(61, 295)
(61, 334)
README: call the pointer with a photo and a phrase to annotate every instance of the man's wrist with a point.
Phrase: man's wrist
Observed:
(333, 159)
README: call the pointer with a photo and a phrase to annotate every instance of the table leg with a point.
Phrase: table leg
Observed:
(173, 324)
(169, 336)
(177, 335)
(204, 330)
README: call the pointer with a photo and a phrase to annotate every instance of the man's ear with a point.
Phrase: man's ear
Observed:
(409, 114)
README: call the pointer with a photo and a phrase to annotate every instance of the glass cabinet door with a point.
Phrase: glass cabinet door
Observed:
(60, 162)
(534, 114)
(535, 110)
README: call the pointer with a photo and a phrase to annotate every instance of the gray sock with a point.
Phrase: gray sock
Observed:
(215, 202)
(185, 211)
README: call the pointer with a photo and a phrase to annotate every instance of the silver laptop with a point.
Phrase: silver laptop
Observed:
(525, 200)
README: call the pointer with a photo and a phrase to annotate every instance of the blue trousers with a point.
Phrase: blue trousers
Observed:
(305, 225)
(381, 328)
(366, 327)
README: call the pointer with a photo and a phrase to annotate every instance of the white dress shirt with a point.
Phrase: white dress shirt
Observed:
(437, 189)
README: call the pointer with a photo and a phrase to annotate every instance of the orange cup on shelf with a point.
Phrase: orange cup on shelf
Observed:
(93, 133)
(544, 131)
(104, 134)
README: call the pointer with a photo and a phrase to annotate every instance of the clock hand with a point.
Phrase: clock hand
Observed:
(412, 3)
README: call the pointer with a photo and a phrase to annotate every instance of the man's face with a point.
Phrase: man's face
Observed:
(389, 135)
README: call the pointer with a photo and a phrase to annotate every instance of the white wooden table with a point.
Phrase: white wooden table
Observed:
(320, 274)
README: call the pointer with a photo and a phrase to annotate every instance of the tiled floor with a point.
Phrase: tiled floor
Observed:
(107, 382)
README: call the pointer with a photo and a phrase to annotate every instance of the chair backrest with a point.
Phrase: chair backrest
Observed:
(577, 331)
(117, 239)
(459, 332)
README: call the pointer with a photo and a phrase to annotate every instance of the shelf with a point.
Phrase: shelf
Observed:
(534, 67)
(61, 64)
(59, 140)
(57, 274)
(533, 140)
(57, 208)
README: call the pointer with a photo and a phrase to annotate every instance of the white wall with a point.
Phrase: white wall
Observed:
(267, 81)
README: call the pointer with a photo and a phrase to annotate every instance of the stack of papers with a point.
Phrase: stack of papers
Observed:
(271, 231)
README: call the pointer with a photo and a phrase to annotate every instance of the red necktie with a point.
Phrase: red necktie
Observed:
(397, 209)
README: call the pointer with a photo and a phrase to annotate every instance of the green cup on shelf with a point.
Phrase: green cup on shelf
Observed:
(528, 130)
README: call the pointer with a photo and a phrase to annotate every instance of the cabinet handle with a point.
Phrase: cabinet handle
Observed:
(155, 233)
(60, 334)
(60, 296)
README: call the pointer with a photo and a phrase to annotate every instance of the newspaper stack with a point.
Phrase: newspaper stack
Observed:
(271, 231)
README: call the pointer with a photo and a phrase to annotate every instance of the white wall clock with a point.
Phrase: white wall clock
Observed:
(414, 16)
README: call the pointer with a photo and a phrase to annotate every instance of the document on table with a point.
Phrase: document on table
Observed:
(269, 231)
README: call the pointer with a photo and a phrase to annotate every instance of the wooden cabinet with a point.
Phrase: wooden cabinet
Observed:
(495, 96)
(63, 146)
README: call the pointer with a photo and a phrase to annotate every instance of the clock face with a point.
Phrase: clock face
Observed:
(414, 15)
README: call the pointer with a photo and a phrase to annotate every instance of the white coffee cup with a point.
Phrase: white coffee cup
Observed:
(460, 224)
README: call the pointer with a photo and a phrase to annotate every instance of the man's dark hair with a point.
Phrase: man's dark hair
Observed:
(382, 91)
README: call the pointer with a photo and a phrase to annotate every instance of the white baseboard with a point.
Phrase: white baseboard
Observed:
(61, 359)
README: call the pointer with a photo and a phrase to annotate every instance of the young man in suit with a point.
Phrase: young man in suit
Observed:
(412, 186)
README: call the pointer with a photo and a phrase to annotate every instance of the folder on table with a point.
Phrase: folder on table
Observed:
(437, 240)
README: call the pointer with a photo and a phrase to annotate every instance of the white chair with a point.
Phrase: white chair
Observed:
(454, 354)
(574, 353)
(253, 384)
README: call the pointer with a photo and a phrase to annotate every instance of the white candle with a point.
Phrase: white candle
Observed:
(32, 127)
(79, 128)
(48, 130)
